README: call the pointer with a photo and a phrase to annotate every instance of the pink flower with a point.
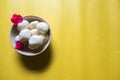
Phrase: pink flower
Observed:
(19, 45)
(16, 19)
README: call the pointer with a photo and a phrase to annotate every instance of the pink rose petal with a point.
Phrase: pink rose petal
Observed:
(14, 15)
(16, 19)
(19, 45)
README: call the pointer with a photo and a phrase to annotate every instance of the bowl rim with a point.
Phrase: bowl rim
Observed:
(46, 45)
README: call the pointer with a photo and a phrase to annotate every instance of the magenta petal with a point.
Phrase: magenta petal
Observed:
(15, 23)
(13, 19)
(19, 45)
(19, 16)
(14, 15)
(20, 20)
(16, 19)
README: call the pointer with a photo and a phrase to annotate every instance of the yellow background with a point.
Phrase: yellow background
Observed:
(85, 40)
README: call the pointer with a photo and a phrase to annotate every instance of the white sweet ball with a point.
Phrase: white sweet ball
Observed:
(33, 24)
(36, 41)
(43, 27)
(24, 35)
(23, 25)
(17, 38)
(34, 32)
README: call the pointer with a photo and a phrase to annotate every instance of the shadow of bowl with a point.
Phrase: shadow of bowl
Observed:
(39, 62)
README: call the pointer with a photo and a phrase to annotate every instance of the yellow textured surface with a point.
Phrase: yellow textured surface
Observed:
(85, 42)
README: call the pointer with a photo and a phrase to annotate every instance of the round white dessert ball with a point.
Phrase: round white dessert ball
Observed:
(23, 25)
(35, 32)
(36, 41)
(24, 35)
(33, 24)
(43, 27)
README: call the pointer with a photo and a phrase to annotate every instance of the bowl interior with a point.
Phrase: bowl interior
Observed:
(26, 51)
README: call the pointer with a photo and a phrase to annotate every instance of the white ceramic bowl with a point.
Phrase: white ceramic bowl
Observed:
(26, 51)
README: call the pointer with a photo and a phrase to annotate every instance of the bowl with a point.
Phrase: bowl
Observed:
(26, 51)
